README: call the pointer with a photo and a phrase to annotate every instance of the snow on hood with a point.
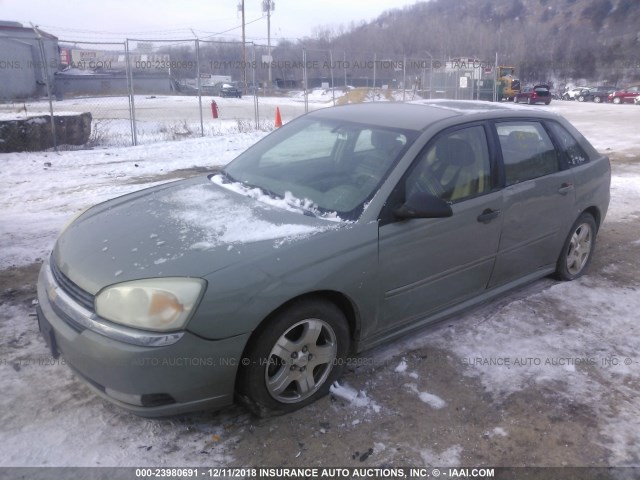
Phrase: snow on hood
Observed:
(187, 228)
(222, 221)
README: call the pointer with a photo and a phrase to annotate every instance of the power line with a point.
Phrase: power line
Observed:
(125, 34)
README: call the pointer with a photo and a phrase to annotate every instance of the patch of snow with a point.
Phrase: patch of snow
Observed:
(223, 221)
(496, 432)
(625, 198)
(379, 447)
(402, 367)
(430, 399)
(446, 458)
(289, 202)
(358, 399)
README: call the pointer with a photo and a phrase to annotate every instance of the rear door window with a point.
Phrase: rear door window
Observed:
(527, 151)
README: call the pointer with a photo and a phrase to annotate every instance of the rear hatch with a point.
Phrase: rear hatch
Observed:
(542, 90)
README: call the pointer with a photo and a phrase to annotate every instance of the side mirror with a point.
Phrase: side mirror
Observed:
(423, 205)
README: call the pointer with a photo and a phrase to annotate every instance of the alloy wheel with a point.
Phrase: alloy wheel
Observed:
(301, 360)
(579, 248)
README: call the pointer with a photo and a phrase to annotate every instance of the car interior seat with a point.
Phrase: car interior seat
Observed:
(455, 169)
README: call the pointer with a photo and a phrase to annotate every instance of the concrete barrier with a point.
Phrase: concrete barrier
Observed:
(32, 134)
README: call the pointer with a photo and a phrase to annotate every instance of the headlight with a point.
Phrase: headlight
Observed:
(159, 304)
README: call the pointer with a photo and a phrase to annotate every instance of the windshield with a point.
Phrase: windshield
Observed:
(328, 168)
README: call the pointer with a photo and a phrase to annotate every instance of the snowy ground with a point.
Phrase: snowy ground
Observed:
(548, 375)
(171, 117)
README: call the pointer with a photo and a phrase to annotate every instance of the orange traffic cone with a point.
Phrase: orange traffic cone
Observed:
(278, 123)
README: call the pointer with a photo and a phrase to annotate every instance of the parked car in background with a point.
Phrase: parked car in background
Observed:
(597, 94)
(229, 90)
(222, 89)
(346, 228)
(626, 95)
(534, 94)
(573, 93)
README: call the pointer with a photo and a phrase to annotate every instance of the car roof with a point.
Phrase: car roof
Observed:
(421, 114)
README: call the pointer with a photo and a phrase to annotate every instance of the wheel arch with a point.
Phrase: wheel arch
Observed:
(340, 300)
(595, 213)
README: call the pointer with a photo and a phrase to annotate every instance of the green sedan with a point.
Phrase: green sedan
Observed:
(344, 229)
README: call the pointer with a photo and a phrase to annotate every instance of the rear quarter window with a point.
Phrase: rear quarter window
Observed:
(573, 152)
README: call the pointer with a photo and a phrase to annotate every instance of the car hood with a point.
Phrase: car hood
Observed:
(186, 228)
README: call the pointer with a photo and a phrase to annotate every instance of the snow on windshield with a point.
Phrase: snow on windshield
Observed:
(288, 202)
(223, 222)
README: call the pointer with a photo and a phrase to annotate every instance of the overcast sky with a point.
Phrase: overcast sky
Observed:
(112, 19)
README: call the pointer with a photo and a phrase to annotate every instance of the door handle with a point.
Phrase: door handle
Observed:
(565, 188)
(487, 215)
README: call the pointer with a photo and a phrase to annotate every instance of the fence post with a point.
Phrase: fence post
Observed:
(199, 83)
(430, 78)
(404, 79)
(256, 110)
(132, 105)
(333, 87)
(373, 98)
(495, 81)
(45, 75)
(304, 80)
(344, 65)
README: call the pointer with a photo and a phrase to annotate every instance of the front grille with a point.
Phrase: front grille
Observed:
(74, 291)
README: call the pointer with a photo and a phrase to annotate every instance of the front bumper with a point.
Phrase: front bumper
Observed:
(188, 375)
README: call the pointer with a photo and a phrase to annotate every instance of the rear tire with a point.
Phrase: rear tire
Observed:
(293, 359)
(597, 99)
(578, 248)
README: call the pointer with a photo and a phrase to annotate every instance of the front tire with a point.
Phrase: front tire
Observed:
(293, 359)
(597, 99)
(578, 249)
(617, 100)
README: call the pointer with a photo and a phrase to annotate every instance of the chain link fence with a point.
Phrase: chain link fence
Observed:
(142, 91)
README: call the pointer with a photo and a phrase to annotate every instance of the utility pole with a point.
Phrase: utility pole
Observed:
(268, 6)
(244, 51)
